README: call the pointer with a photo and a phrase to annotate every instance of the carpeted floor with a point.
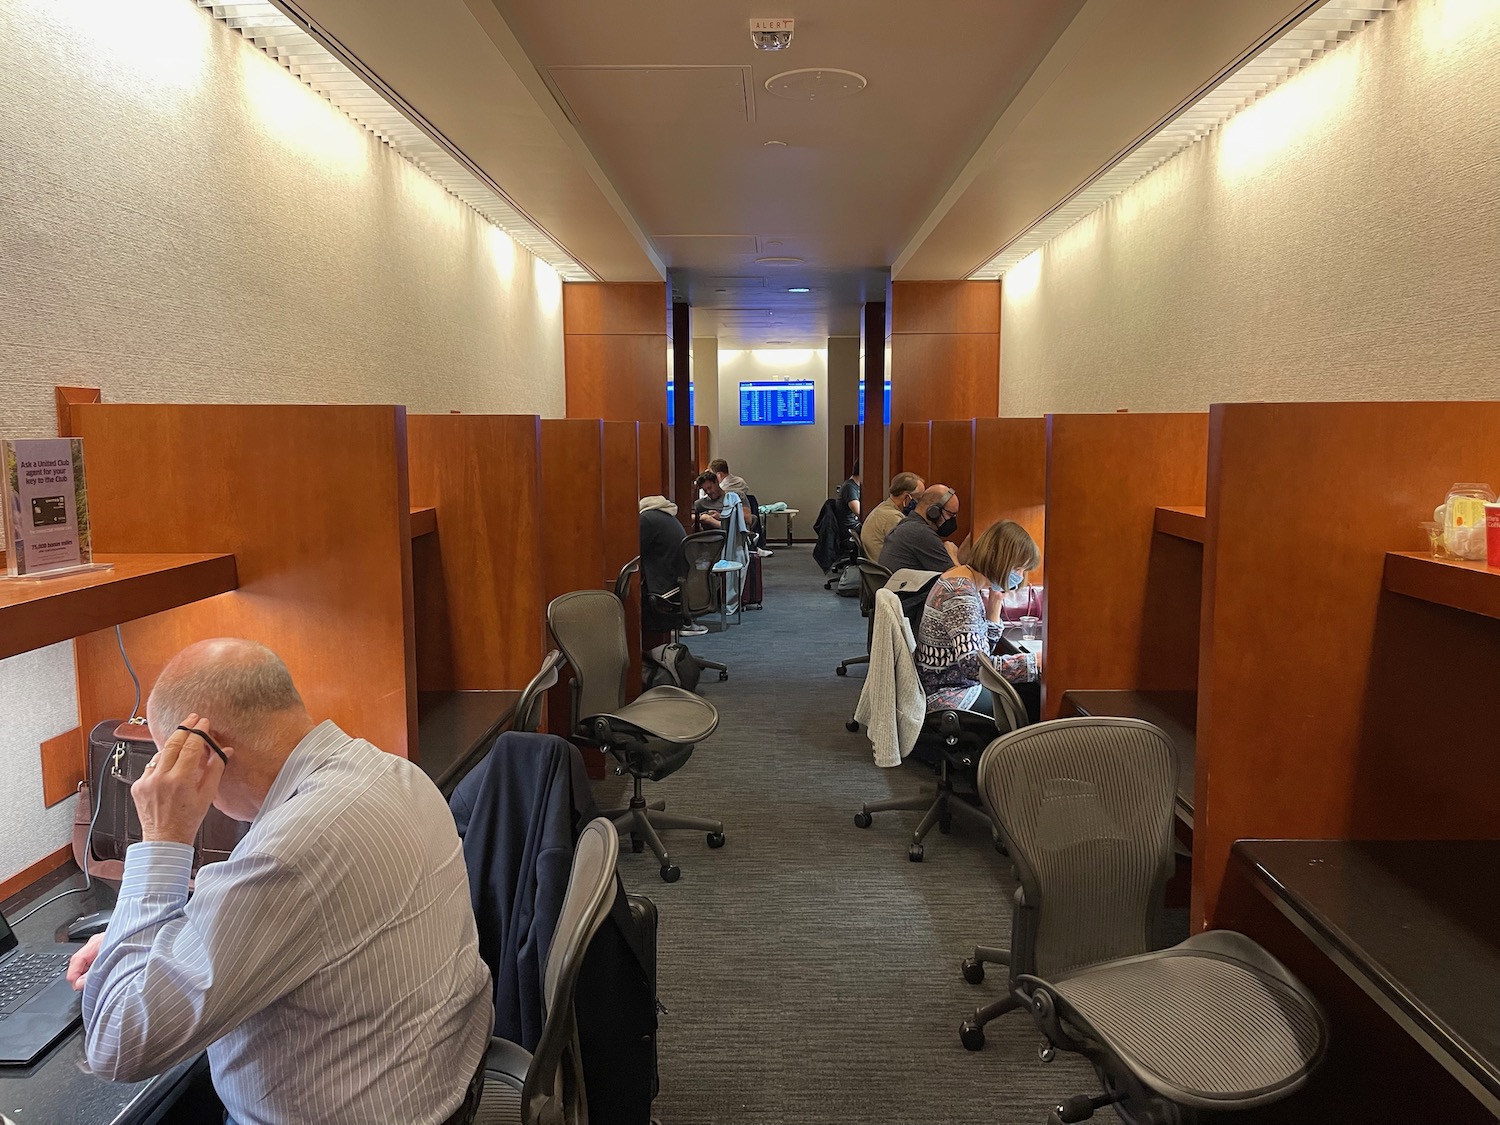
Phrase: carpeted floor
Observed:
(810, 972)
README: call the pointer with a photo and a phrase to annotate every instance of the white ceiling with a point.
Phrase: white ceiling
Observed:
(634, 134)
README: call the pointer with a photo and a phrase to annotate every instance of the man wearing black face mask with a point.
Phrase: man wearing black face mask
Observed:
(916, 543)
(905, 488)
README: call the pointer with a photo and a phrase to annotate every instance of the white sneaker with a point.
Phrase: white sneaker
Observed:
(763, 553)
(691, 631)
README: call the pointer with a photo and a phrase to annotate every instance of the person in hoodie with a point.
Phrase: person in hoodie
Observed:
(661, 542)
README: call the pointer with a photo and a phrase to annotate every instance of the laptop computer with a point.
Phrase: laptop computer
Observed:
(37, 1004)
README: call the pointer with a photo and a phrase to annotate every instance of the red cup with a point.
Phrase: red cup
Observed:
(1492, 534)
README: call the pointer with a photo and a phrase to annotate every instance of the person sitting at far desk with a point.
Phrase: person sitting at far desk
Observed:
(710, 510)
(905, 488)
(741, 488)
(330, 966)
(918, 541)
(962, 620)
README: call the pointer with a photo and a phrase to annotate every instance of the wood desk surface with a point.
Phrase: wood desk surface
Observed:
(1175, 712)
(58, 1087)
(1413, 923)
(455, 729)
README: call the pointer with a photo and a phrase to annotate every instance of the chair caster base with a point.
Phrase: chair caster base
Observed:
(637, 846)
(973, 970)
(852, 727)
(841, 671)
(716, 839)
(915, 853)
(863, 820)
(971, 1035)
(670, 873)
(723, 676)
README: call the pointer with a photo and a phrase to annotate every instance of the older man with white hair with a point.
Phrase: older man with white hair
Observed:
(330, 966)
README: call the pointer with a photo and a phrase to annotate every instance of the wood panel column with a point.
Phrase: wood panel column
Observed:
(945, 350)
(872, 457)
(615, 350)
(682, 414)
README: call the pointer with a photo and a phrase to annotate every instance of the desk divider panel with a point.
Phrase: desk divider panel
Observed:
(1010, 476)
(702, 455)
(916, 449)
(573, 537)
(480, 609)
(1121, 602)
(1330, 708)
(622, 530)
(311, 501)
(951, 462)
(653, 444)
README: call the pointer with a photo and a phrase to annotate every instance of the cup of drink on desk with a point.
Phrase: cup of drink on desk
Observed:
(1030, 628)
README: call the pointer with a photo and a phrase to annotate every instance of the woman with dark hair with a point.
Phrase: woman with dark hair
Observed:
(961, 621)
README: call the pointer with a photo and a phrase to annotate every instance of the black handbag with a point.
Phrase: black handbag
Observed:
(117, 756)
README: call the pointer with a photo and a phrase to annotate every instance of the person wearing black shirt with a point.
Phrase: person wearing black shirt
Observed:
(847, 499)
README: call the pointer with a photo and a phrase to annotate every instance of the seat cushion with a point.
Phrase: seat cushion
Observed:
(670, 714)
(505, 1066)
(1200, 1027)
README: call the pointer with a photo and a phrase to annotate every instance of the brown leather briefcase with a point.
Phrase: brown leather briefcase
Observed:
(118, 753)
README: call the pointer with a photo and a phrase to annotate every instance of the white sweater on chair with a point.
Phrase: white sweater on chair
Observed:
(892, 705)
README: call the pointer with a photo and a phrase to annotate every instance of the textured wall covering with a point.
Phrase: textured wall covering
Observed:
(787, 463)
(181, 220)
(1339, 239)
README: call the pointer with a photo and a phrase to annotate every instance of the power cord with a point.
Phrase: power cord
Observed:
(96, 797)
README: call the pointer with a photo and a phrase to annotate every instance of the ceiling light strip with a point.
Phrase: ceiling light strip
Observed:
(307, 58)
(1317, 33)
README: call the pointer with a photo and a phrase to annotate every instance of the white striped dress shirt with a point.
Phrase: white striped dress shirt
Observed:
(330, 966)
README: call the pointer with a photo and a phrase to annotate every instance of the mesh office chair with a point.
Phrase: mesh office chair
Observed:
(1215, 1023)
(546, 1088)
(651, 737)
(528, 712)
(622, 580)
(950, 741)
(872, 577)
(703, 588)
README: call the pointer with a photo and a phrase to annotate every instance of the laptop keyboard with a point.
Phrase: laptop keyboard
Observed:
(30, 972)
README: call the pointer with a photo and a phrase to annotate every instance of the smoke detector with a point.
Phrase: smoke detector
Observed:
(771, 34)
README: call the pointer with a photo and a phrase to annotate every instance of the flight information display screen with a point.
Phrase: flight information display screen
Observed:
(672, 404)
(862, 402)
(777, 404)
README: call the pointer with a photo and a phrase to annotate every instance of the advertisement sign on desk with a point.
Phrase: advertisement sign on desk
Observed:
(46, 506)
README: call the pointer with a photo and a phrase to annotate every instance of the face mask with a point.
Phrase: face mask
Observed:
(948, 526)
(908, 505)
(1015, 579)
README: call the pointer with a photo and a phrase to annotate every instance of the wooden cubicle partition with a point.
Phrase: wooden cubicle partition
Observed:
(951, 462)
(1329, 707)
(622, 529)
(916, 448)
(573, 534)
(1010, 476)
(702, 448)
(615, 350)
(1121, 602)
(654, 445)
(945, 350)
(479, 594)
(311, 500)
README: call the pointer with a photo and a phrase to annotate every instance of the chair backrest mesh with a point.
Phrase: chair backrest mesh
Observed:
(528, 714)
(590, 894)
(700, 591)
(622, 580)
(589, 626)
(1086, 807)
(872, 578)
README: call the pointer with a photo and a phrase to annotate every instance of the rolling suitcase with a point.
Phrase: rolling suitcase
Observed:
(753, 593)
(616, 1007)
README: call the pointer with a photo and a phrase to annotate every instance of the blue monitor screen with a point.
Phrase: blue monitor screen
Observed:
(692, 404)
(777, 404)
(862, 402)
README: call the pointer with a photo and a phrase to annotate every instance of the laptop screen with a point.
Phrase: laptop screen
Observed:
(7, 939)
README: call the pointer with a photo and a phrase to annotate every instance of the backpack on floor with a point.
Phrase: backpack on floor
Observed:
(672, 665)
(848, 583)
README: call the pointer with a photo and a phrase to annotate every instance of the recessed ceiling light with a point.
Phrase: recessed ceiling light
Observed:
(799, 289)
(813, 83)
(773, 144)
(774, 261)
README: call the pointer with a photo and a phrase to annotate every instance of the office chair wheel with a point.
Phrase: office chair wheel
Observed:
(841, 671)
(973, 970)
(914, 853)
(670, 873)
(852, 726)
(971, 1035)
(637, 846)
(863, 820)
(723, 676)
(1046, 1051)
(716, 839)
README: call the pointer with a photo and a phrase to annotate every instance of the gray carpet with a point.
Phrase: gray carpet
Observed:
(810, 972)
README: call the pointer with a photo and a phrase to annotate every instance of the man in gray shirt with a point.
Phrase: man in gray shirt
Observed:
(918, 541)
(330, 966)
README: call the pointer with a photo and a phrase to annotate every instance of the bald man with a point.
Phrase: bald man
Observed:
(919, 541)
(330, 966)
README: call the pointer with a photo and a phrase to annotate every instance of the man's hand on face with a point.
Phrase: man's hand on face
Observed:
(174, 794)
